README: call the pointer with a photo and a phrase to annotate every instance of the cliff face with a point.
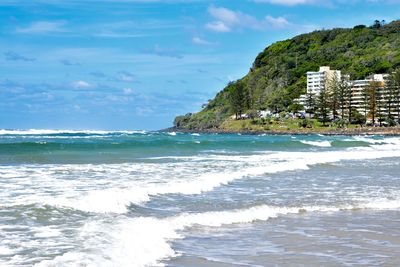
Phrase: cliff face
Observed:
(278, 74)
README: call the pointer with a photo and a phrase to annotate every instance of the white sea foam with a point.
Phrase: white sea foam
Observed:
(138, 183)
(366, 139)
(195, 134)
(317, 143)
(39, 136)
(117, 200)
(172, 133)
(145, 241)
(103, 201)
(46, 232)
(48, 131)
(378, 141)
(116, 240)
(6, 251)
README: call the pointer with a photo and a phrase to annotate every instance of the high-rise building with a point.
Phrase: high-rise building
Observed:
(359, 95)
(360, 99)
(317, 80)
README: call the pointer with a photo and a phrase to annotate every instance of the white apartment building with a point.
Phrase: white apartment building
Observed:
(358, 96)
(317, 80)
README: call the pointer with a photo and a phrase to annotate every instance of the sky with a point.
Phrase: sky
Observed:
(136, 64)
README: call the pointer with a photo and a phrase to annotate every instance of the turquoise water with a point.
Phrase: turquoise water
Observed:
(97, 198)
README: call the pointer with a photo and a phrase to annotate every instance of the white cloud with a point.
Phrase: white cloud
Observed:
(278, 22)
(200, 41)
(125, 76)
(118, 35)
(82, 85)
(163, 52)
(144, 111)
(127, 91)
(218, 26)
(118, 99)
(227, 20)
(225, 15)
(292, 2)
(43, 27)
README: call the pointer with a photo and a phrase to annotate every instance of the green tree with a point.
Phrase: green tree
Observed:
(322, 106)
(349, 98)
(238, 98)
(373, 96)
(365, 102)
(377, 24)
(395, 78)
(333, 94)
(310, 104)
(181, 121)
(295, 107)
(390, 97)
(357, 117)
(380, 104)
(344, 98)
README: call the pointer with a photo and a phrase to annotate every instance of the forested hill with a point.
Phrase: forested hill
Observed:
(278, 74)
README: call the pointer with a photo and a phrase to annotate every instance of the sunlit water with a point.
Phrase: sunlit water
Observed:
(100, 198)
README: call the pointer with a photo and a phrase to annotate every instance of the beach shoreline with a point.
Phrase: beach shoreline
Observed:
(387, 131)
(188, 198)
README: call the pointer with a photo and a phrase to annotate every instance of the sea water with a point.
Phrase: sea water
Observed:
(98, 198)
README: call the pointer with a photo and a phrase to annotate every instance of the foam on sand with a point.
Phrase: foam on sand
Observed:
(145, 241)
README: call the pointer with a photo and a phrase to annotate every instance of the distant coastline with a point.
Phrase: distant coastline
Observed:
(388, 131)
(321, 79)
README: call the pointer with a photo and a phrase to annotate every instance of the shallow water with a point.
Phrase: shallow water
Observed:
(160, 199)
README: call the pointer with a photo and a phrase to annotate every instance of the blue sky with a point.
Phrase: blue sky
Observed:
(136, 64)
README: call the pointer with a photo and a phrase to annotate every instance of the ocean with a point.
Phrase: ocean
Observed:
(137, 198)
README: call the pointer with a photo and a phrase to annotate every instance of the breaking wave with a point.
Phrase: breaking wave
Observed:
(185, 180)
(145, 241)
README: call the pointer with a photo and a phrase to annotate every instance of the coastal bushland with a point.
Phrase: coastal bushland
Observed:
(278, 74)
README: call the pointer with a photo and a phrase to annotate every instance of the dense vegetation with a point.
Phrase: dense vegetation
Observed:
(278, 74)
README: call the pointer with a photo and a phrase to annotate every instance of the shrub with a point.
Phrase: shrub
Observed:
(391, 122)
(252, 114)
(341, 123)
(305, 123)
